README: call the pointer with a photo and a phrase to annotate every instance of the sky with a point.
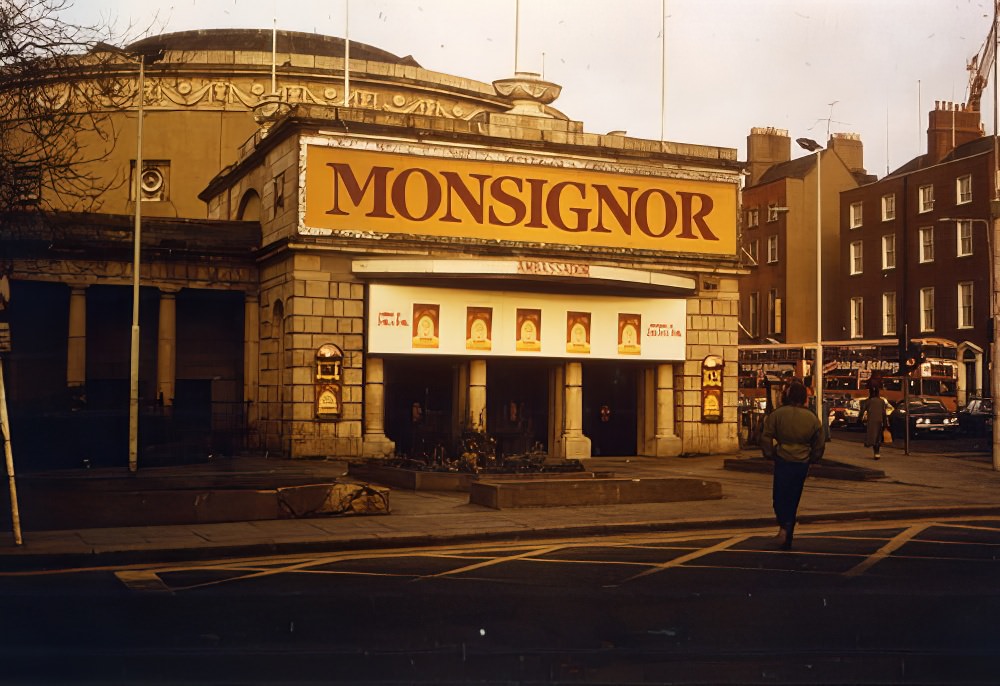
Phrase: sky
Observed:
(872, 67)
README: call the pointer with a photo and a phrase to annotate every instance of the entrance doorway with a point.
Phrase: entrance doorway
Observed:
(517, 405)
(610, 397)
(969, 361)
(418, 405)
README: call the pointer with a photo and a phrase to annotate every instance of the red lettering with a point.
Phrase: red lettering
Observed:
(399, 195)
(699, 219)
(453, 182)
(536, 187)
(508, 200)
(622, 214)
(376, 179)
(555, 211)
(642, 213)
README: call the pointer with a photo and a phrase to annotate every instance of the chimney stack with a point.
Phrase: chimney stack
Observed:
(849, 148)
(766, 147)
(949, 126)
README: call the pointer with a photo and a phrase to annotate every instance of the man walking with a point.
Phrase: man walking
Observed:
(792, 438)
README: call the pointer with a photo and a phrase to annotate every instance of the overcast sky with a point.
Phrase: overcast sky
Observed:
(874, 67)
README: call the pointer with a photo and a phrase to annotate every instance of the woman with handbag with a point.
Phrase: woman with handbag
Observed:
(876, 419)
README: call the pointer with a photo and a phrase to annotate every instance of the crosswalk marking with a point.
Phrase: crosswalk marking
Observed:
(678, 561)
(142, 580)
(885, 551)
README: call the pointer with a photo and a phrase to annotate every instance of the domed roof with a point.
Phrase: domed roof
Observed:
(294, 42)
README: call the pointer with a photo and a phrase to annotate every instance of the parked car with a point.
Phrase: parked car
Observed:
(926, 416)
(976, 418)
(844, 413)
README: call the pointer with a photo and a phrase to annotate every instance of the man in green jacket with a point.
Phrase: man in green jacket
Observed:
(793, 438)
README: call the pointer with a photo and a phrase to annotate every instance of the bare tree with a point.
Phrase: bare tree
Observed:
(58, 88)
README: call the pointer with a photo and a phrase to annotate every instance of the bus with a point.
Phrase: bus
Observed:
(850, 366)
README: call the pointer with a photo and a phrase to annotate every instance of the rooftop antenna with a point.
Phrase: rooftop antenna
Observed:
(829, 120)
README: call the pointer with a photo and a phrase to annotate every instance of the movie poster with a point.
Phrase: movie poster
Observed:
(426, 323)
(528, 330)
(478, 328)
(578, 333)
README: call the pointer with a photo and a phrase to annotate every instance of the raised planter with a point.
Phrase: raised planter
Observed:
(420, 480)
(609, 491)
(87, 508)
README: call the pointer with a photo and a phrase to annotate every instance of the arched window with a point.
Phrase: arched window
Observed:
(249, 207)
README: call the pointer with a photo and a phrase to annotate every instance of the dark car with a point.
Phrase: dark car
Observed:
(926, 416)
(976, 418)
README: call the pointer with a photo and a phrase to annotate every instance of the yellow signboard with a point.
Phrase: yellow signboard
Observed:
(360, 190)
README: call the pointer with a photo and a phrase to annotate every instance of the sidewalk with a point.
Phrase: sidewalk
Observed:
(914, 485)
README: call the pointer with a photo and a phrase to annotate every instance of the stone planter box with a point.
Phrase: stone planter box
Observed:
(608, 491)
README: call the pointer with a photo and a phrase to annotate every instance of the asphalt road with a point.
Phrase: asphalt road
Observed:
(887, 602)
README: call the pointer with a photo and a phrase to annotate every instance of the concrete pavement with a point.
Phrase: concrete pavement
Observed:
(914, 485)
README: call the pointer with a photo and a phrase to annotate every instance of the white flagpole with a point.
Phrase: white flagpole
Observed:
(663, 71)
(274, 49)
(517, 31)
(347, 52)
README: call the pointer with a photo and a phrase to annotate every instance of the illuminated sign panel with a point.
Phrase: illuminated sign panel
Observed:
(446, 321)
(362, 190)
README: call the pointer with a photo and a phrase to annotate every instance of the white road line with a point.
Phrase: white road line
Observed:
(678, 561)
(144, 581)
(499, 560)
(885, 551)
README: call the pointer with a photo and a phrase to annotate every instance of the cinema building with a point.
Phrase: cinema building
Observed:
(440, 257)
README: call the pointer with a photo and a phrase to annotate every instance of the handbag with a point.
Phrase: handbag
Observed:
(886, 435)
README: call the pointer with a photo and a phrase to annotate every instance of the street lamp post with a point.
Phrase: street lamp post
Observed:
(812, 146)
(994, 362)
(133, 403)
(133, 383)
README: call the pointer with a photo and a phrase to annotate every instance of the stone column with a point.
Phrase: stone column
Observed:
(166, 348)
(667, 442)
(251, 359)
(76, 348)
(557, 400)
(476, 420)
(375, 443)
(574, 444)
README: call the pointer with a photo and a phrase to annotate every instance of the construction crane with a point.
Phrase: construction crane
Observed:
(981, 63)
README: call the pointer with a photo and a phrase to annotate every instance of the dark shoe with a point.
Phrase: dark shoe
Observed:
(783, 539)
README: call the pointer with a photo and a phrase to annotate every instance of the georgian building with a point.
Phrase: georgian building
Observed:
(440, 256)
(915, 254)
(778, 239)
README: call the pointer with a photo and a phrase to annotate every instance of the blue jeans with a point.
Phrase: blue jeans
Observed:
(789, 478)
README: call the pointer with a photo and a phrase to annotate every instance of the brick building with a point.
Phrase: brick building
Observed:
(778, 236)
(915, 252)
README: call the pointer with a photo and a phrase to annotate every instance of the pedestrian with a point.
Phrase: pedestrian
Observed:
(793, 439)
(875, 417)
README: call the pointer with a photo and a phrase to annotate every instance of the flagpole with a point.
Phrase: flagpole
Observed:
(347, 52)
(517, 31)
(663, 69)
